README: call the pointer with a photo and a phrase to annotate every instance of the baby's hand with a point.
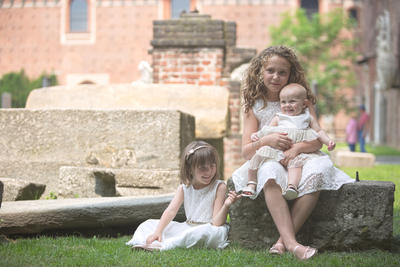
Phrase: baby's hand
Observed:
(331, 145)
(153, 237)
(254, 137)
(231, 198)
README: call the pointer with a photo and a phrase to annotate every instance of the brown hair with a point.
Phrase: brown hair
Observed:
(253, 86)
(197, 153)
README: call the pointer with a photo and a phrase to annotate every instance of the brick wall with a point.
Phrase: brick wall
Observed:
(200, 66)
(196, 49)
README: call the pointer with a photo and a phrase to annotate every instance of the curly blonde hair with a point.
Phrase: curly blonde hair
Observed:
(253, 86)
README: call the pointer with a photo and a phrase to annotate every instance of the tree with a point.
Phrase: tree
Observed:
(325, 47)
(19, 86)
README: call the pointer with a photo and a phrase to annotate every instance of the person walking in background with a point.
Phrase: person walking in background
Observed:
(351, 132)
(362, 127)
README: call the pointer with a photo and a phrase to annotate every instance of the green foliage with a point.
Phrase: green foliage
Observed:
(19, 86)
(325, 50)
(52, 195)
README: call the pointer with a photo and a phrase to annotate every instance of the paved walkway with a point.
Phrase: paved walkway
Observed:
(388, 160)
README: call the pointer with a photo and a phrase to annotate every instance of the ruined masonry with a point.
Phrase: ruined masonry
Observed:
(94, 153)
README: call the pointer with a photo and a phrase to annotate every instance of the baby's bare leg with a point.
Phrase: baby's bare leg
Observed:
(294, 176)
(252, 177)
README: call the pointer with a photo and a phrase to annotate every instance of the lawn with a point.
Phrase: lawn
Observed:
(95, 251)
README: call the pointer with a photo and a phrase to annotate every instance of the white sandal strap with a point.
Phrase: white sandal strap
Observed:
(251, 182)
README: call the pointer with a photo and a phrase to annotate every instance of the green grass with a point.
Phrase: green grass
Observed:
(376, 150)
(77, 251)
(80, 251)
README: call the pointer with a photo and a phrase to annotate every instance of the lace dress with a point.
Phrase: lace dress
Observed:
(318, 173)
(298, 129)
(196, 231)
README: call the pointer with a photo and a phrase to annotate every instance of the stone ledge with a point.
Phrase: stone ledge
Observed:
(107, 182)
(357, 216)
(36, 216)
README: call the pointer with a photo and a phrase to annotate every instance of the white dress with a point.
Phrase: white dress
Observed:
(318, 173)
(297, 129)
(196, 231)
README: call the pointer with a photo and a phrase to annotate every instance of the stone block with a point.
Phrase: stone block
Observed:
(17, 189)
(208, 104)
(81, 214)
(101, 182)
(357, 216)
(86, 182)
(34, 144)
(343, 158)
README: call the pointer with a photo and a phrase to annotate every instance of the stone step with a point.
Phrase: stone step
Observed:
(37, 216)
(357, 216)
(101, 182)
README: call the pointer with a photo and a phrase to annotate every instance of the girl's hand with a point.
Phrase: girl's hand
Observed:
(231, 198)
(254, 137)
(290, 154)
(278, 141)
(153, 237)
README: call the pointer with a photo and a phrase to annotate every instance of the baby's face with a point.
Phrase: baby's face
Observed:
(292, 102)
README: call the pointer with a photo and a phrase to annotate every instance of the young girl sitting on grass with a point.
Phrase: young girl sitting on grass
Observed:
(205, 202)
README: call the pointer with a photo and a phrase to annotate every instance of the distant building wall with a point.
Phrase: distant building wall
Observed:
(35, 34)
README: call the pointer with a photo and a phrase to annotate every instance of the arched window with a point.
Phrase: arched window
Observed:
(353, 13)
(311, 6)
(178, 6)
(78, 16)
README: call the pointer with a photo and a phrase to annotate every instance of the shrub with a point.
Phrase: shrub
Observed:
(19, 86)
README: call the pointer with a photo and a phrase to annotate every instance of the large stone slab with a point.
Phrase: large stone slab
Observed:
(209, 104)
(34, 144)
(100, 182)
(31, 217)
(344, 158)
(17, 189)
(355, 217)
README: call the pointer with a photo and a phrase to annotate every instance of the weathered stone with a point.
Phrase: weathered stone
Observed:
(86, 183)
(343, 158)
(355, 217)
(209, 104)
(28, 217)
(34, 144)
(1, 192)
(98, 182)
(17, 189)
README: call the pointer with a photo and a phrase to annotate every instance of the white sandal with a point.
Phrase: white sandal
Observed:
(291, 192)
(248, 191)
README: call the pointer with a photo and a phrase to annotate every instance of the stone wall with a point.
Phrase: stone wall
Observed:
(34, 144)
(196, 49)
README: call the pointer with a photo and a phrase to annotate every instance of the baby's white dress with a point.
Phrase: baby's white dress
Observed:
(197, 231)
(318, 173)
(297, 129)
